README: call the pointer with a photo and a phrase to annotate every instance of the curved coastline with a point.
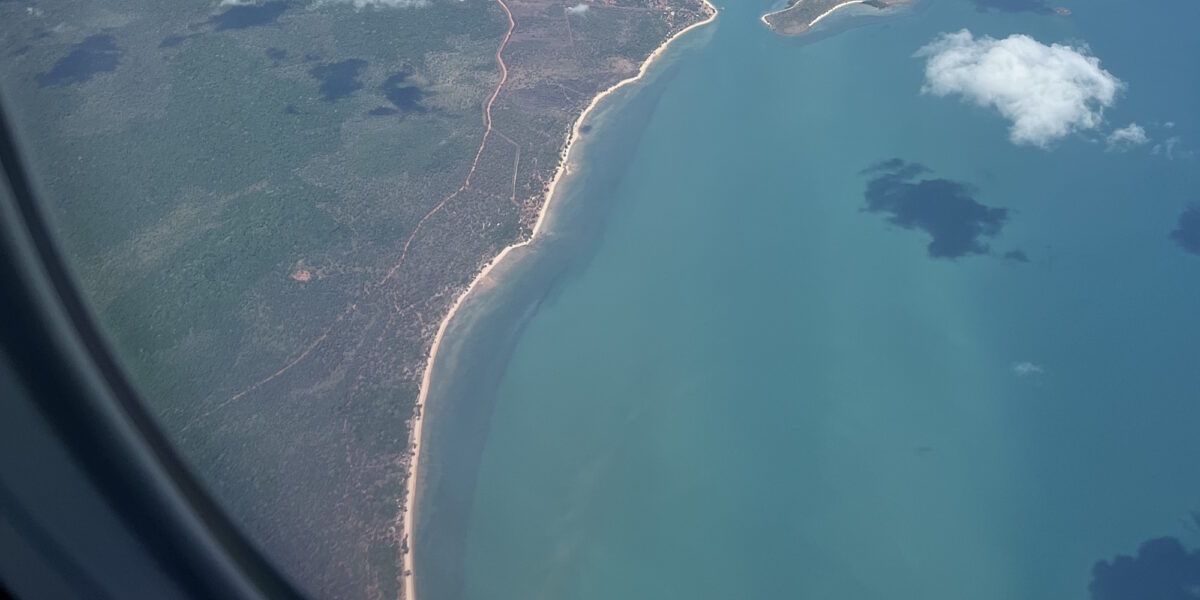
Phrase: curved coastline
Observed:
(409, 509)
(814, 21)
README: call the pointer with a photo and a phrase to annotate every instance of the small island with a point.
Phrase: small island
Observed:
(802, 15)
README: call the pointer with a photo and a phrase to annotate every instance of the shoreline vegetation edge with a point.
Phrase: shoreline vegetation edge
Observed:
(410, 496)
(812, 22)
(791, 19)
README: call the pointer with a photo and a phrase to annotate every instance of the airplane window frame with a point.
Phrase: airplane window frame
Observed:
(77, 386)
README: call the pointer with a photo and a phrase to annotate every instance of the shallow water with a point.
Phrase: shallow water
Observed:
(719, 376)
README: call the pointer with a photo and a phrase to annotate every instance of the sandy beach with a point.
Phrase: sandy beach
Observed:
(816, 20)
(831, 11)
(573, 136)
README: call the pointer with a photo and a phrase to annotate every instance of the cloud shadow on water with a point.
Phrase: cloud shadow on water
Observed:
(942, 208)
(340, 79)
(249, 15)
(1187, 233)
(1162, 570)
(95, 54)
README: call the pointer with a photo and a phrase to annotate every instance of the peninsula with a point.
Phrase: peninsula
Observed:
(802, 15)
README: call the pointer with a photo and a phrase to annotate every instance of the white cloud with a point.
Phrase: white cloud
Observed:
(1127, 137)
(1047, 92)
(1167, 148)
(1026, 368)
(237, 2)
(578, 9)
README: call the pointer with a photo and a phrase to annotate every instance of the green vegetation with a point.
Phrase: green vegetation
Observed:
(799, 15)
(250, 242)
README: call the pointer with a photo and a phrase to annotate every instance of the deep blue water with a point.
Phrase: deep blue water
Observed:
(739, 366)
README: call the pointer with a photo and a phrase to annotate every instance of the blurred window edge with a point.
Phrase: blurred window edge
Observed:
(79, 447)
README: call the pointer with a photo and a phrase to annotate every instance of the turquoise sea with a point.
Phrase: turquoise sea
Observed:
(719, 376)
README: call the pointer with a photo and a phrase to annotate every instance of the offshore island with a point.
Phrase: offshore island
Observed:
(801, 15)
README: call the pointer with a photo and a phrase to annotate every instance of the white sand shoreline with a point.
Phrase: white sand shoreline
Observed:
(831, 11)
(814, 21)
(411, 485)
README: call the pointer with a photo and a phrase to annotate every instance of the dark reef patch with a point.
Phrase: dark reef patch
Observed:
(276, 54)
(404, 98)
(290, 110)
(95, 54)
(382, 111)
(249, 15)
(1187, 233)
(1016, 256)
(585, 128)
(1162, 570)
(339, 79)
(942, 208)
(1012, 6)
